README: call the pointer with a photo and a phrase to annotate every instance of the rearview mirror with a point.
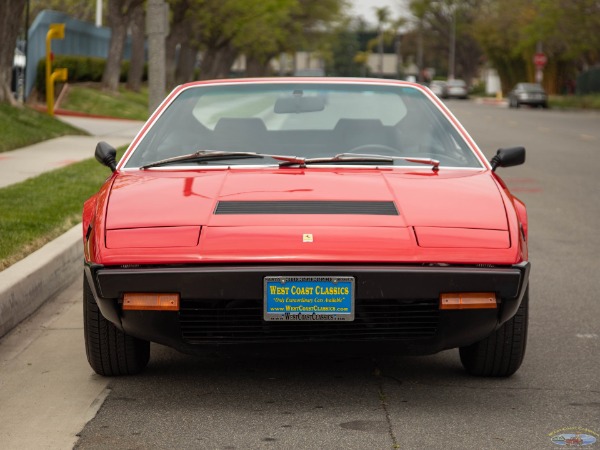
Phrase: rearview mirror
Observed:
(298, 104)
(105, 154)
(507, 157)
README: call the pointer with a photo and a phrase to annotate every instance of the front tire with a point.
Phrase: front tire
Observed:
(110, 351)
(501, 353)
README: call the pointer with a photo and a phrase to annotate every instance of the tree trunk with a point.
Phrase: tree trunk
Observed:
(180, 33)
(138, 40)
(257, 67)
(176, 46)
(171, 59)
(186, 64)
(119, 15)
(217, 62)
(11, 12)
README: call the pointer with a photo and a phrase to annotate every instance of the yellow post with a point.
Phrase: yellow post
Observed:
(57, 75)
(55, 31)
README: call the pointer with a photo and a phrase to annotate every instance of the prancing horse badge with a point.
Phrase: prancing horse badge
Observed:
(307, 237)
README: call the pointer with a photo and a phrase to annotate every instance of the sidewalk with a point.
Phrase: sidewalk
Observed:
(27, 162)
(26, 285)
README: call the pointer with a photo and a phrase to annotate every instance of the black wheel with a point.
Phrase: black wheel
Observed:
(501, 353)
(110, 351)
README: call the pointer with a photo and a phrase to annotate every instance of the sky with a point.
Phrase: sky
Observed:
(365, 8)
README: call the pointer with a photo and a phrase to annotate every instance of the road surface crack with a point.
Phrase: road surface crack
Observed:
(384, 406)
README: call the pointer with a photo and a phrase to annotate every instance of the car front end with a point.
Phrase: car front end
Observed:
(360, 248)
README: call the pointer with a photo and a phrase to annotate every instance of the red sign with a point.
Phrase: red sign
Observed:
(540, 60)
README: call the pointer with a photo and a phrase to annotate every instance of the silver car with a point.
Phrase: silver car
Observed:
(439, 88)
(457, 89)
(531, 94)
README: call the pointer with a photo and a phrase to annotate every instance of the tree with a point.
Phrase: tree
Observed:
(345, 47)
(119, 17)
(499, 30)
(439, 22)
(183, 42)
(299, 25)
(85, 11)
(11, 12)
(512, 31)
(568, 32)
(232, 27)
(138, 45)
(222, 30)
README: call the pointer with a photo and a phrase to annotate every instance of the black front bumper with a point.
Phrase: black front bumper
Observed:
(393, 304)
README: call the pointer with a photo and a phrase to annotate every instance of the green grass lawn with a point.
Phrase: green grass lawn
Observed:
(24, 126)
(40, 209)
(90, 99)
(591, 101)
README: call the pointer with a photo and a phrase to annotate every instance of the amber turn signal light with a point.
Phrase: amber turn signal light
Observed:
(468, 300)
(149, 301)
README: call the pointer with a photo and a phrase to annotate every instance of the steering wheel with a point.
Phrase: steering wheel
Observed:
(376, 148)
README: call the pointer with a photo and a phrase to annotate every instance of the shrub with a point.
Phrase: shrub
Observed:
(81, 69)
(589, 82)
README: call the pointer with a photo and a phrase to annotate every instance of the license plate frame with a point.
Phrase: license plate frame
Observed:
(309, 298)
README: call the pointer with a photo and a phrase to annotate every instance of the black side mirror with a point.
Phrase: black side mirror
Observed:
(507, 157)
(106, 154)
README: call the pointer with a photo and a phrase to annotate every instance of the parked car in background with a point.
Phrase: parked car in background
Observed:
(314, 72)
(439, 88)
(301, 212)
(458, 89)
(532, 94)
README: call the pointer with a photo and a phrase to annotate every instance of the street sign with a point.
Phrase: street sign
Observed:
(540, 60)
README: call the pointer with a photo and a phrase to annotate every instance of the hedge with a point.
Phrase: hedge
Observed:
(589, 82)
(80, 68)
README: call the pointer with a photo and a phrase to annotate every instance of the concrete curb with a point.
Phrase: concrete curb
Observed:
(27, 284)
(503, 103)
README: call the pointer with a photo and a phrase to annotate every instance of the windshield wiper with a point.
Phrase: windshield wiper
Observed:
(204, 155)
(288, 160)
(339, 158)
(354, 158)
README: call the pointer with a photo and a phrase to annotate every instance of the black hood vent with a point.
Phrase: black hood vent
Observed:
(307, 207)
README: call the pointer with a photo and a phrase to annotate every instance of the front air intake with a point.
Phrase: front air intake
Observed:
(378, 208)
(241, 321)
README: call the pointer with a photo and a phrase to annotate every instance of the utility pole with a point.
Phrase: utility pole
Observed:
(157, 28)
(99, 12)
(452, 51)
(420, 50)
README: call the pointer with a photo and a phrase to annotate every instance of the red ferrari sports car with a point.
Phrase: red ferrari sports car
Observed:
(292, 212)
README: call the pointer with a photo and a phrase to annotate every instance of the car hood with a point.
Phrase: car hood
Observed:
(306, 215)
(453, 198)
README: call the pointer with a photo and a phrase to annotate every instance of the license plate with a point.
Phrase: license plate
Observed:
(309, 298)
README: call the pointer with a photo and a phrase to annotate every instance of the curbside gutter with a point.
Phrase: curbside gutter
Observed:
(27, 284)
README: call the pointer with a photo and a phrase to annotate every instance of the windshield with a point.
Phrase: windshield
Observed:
(307, 120)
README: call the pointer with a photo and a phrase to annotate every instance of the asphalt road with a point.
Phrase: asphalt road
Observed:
(308, 401)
